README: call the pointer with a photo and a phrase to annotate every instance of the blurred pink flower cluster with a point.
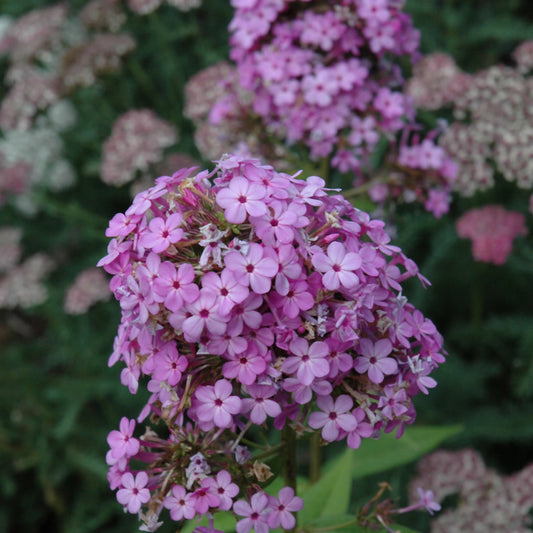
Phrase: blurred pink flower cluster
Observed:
(248, 297)
(492, 230)
(323, 73)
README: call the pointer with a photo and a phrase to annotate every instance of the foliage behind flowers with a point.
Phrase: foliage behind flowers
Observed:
(69, 74)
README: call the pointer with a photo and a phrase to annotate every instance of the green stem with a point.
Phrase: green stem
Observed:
(316, 458)
(288, 439)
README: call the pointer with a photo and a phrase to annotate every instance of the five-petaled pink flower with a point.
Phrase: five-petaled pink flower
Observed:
(133, 492)
(162, 233)
(241, 197)
(216, 403)
(337, 266)
(374, 360)
(333, 417)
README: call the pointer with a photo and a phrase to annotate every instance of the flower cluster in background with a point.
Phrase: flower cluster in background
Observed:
(492, 230)
(488, 501)
(245, 299)
(493, 110)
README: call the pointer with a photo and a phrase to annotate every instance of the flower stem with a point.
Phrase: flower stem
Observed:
(288, 439)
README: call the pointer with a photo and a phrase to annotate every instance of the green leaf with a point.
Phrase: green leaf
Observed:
(223, 521)
(388, 452)
(402, 529)
(331, 495)
(342, 523)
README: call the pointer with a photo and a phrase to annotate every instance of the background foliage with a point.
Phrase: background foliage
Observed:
(58, 399)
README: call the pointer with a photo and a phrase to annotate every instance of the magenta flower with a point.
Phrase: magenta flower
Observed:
(361, 430)
(307, 362)
(255, 514)
(241, 197)
(253, 269)
(133, 492)
(334, 416)
(244, 366)
(225, 489)
(216, 404)
(260, 405)
(162, 233)
(374, 360)
(205, 497)
(174, 286)
(337, 266)
(122, 442)
(204, 315)
(181, 504)
(282, 508)
(228, 291)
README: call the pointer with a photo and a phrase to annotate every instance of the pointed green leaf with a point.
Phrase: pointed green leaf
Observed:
(331, 495)
(388, 452)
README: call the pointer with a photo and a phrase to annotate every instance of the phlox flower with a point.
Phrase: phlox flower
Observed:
(374, 360)
(282, 508)
(133, 492)
(122, 442)
(259, 405)
(204, 315)
(174, 286)
(241, 198)
(227, 289)
(224, 488)
(253, 269)
(181, 504)
(255, 514)
(334, 416)
(307, 362)
(162, 233)
(337, 266)
(216, 403)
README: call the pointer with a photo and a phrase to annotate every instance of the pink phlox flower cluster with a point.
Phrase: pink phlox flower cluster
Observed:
(252, 297)
(323, 75)
(419, 171)
(224, 120)
(103, 15)
(487, 500)
(492, 230)
(137, 141)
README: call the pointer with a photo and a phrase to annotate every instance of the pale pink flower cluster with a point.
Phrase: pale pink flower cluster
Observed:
(47, 60)
(324, 74)
(90, 287)
(21, 285)
(492, 230)
(436, 82)
(493, 118)
(144, 7)
(137, 141)
(103, 15)
(488, 501)
(523, 55)
(252, 297)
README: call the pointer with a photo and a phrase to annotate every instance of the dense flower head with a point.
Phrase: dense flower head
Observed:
(251, 297)
(323, 74)
(488, 501)
(137, 141)
(492, 230)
